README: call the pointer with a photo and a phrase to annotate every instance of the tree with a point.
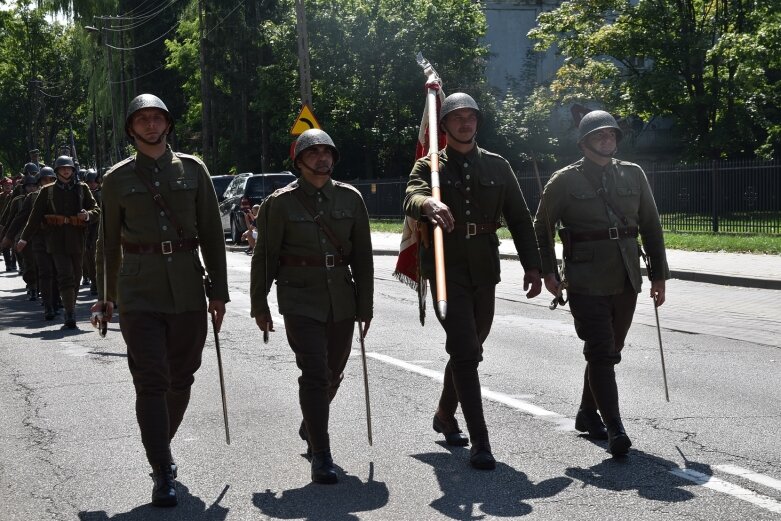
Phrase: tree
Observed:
(711, 66)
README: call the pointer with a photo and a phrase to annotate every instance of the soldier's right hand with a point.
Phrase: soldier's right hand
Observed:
(439, 214)
(5, 243)
(101, 312)
(20, 245)
(264, 322)
(552, 284)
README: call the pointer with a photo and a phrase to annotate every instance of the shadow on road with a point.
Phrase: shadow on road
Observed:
(190, 508)
(649, 475)
(470, 494)
(315, 502)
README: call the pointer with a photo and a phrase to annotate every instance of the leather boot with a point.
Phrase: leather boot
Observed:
(48, 313)
(453, 435)
(305, 436)
(589, 421)
(70, 319)
(481, 457)
(323, 470)
(164, 489)
(618, 442)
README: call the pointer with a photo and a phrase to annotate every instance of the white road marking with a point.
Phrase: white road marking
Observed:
(495, 396)
(756, 477)
(728, 488)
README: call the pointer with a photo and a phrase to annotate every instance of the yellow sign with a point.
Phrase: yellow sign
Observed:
(305, 121)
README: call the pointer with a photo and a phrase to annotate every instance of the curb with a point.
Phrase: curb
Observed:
(693, 276)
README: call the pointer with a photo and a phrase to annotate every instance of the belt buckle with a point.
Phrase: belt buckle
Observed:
(612, 233)
(471, 229)
(166, 247)
(330, 261)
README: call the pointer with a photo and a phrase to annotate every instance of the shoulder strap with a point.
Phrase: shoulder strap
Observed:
(158, 198)
(306, 203)
(601, 192)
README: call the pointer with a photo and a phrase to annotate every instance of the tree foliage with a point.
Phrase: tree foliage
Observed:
(710, 65)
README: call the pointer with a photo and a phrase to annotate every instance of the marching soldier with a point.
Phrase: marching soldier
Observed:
(603, 204)
(35, 155)
(159, 210)
(5, 199)
(64, 208)
(91, 179)
(314, 240)
(17, 197)
(24, 203)
(479, 191)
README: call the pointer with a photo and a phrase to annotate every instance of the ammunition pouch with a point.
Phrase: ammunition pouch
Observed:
(62, 220)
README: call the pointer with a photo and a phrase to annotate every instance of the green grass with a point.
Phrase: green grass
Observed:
(678, 241)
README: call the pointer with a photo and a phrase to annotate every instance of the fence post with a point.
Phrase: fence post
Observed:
(714, 198)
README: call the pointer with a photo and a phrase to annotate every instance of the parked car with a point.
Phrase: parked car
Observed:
(220, 183)
(245, 191)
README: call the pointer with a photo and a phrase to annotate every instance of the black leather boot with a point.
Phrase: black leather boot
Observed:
(70, 320)
(323, 470)
(481, 457)
(588, 420)
(305, 436)
(453, 435)
(618, 442)
(164, 489)
(48, 313)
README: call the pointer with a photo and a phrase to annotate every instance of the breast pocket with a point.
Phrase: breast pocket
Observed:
(490, 194)
(183, 191)
(628, 199)
(342, 223)
(136, 201)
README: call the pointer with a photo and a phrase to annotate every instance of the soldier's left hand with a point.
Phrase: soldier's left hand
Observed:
(5, 243)
(83, 215)
(363, 325)
(20, 245)
(657, 292)
(532, 279)
(217, 311)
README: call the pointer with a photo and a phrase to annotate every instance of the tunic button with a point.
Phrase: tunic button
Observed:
(170, 259)
(319, 199)
(322, 240)
(165, 227)
(468, 177)
(157, 169)
(162, 213)
(133, 189)
(468, 212)
(467, 201)
(320, 212)
(468, 189)
(492, 182)
(466, 165)
(157, 183)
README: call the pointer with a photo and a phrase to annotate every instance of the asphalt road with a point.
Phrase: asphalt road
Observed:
(71, 449)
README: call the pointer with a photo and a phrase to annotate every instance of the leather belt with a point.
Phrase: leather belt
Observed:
(603, 235)
(471, 229)
(61, 220)
(314, 261)
(164, 248)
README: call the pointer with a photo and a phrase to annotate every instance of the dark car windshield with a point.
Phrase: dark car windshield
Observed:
(261, 186)
(221, 183)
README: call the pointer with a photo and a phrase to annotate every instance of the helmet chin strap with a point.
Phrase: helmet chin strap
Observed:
(454, 138)
(597, 152)
(317, 172)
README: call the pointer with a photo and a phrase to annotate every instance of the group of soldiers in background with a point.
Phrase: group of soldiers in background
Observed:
(51, 242)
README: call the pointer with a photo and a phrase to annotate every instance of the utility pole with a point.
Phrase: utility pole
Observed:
(206, 96)
(303, 54)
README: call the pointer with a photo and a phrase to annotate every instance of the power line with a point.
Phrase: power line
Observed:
(144, 44)
(137, 21)
(224, 17)
(137, 77)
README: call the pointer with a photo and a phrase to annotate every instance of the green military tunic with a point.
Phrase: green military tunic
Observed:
(479, 187)
(171, 283)
(601, 267)
(286, 228)
(61, 199)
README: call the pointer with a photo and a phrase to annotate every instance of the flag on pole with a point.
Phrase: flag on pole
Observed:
(407, 265)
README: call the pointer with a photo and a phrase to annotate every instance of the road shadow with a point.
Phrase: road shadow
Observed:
(190, 508)
(649, 475)
(314, 502)
(22, 314)
(469, 494)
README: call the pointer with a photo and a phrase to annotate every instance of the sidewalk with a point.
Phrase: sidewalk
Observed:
(729, 269)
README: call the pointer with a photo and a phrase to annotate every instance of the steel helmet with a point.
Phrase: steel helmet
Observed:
(64, 161)
(45, 172)
(146, 101)
(459, 100)
(597, 120)
(312, 137)
(30, 179)
(30, 168)
(91, 176)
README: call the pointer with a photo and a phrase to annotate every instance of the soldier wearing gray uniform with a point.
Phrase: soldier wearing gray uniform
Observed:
(160, 209)
(314, 240)
(480, 193)
(603, 205)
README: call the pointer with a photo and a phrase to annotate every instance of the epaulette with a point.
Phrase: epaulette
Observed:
(491, 154)
(197, 159)
(625, 163)
(285, 189)
(119, 165)
(340, 184)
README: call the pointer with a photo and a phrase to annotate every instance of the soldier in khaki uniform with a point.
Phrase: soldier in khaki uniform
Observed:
(149, 252)
(64, 208)
(603, 204)
(479, 193)
(314, 240)
(14, 229)
(91, 239)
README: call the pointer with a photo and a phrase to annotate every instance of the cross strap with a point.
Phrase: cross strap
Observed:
(158, 198)
(307, 203)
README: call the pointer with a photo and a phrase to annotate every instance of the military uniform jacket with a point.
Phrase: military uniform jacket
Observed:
(61, 199)
(20, 219)
(285, 227)
(479, 187)
(601, 267)
(155, 282)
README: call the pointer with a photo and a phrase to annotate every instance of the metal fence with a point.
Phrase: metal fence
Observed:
(719, 196)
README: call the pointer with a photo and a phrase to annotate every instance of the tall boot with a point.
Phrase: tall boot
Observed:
(68, 300)
(323, 470)
(588, 420)
(445, 418)
(164, 489)
(467, 384)
(602, 379)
